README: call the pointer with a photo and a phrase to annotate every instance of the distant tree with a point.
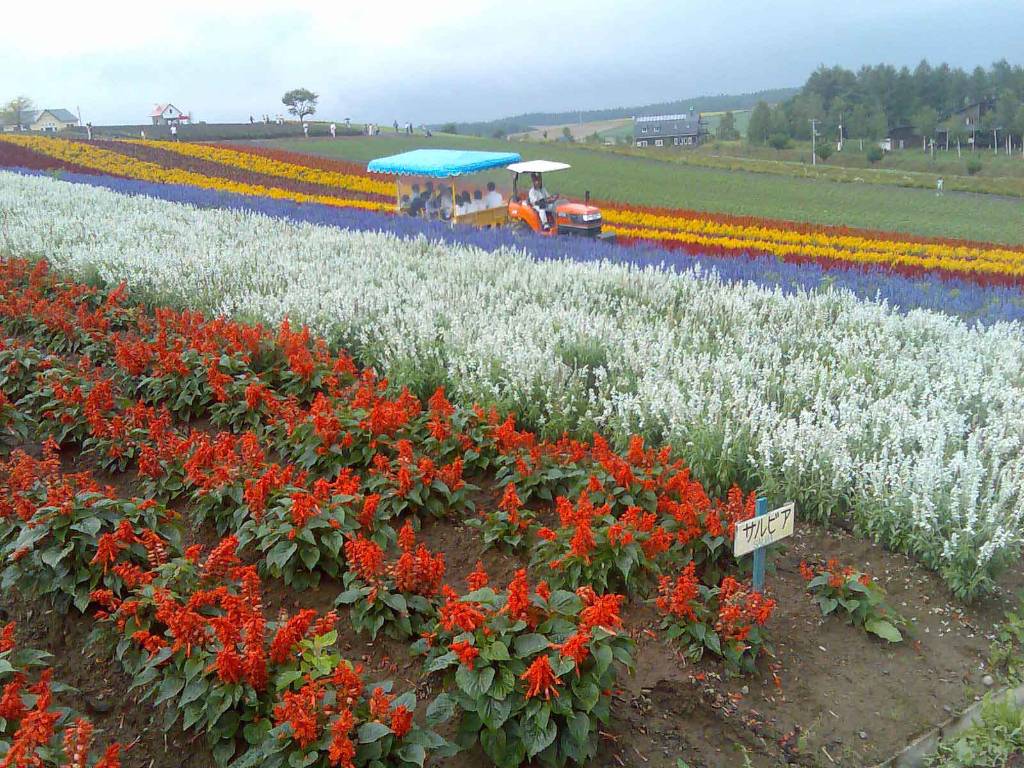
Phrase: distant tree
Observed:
(727, 128)
(15, 110)
(760, 124)
(925, 120)
(567, 134)
(1018, 123)
(498, 133)
(779, 141)
(449, 128)
(823, 149)
(973, 165)
(300, 102)
(874, 154)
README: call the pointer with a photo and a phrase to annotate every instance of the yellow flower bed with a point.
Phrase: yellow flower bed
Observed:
(790, 241)
(106, 161)
(271, 167)
(981, 260)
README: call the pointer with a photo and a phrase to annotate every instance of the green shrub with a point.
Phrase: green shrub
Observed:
(973, 166)
(875, 154)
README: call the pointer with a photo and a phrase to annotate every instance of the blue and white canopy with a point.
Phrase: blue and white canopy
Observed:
(441, 163)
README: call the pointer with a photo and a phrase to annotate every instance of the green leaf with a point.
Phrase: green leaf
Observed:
(371, 732)
(193, 691)
(884, 629)
(527, 645)
(310, 556)
(169, 688)
(474, 682)
(281, 553)
(412, 753)
(537, 738)
(497, 651)
(440, 710)
(223, 751)
(579, 727)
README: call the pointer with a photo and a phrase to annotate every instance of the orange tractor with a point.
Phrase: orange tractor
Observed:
(563, 217)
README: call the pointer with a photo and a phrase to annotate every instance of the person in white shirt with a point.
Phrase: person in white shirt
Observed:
(174, 132)
(478, 203)
(493, 197)
(540, 200)
(305, 130)
(334, 131)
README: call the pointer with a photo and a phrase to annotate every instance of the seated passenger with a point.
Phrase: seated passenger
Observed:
(464, 204)
(478, 203)
(418, 205)
(493, 198)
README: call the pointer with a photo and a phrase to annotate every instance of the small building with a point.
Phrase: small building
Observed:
(168, 114)
(903, 137)
(45, 120)
(685, 130)
(53, 120)
(966, 120)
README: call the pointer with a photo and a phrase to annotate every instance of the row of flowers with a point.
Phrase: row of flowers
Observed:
(271, 166)
(257, 171)
(529, 668)
(753, 386)
(80, 154)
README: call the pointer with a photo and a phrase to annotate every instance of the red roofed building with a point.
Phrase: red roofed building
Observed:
(168, 114)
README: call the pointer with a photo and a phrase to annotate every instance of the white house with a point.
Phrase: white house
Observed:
(46, 120)
(168, 114)
(53, 120)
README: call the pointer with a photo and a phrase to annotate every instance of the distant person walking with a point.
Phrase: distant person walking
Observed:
(305, 130)
(334, 131)
(396, 126)
(88, 131)
(938, 187)
(252, 121)
(174, 132)
(142, 133)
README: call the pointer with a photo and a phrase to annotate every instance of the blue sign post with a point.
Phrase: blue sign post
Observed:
(759, 553)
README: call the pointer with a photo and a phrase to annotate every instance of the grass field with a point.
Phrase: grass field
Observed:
(654, 181)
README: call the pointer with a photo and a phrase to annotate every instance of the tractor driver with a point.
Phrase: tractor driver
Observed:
(540, 200)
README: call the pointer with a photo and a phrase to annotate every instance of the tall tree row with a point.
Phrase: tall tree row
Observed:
(873, 100)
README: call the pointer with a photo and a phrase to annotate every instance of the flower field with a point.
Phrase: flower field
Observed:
(250, 425)
(309, 468)
(287, 176)
(908, 424)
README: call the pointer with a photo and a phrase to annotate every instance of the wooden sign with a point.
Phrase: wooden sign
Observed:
(764, 529)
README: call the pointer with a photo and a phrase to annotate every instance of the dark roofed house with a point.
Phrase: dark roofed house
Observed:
(686, 130)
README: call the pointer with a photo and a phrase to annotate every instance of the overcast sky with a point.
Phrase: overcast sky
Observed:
(437, 60)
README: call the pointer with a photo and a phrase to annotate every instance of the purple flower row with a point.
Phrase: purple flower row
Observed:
(985, 304)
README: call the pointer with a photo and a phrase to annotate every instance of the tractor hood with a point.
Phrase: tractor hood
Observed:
(577, 209)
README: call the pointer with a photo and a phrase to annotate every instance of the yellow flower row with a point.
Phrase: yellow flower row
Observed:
(980, 263)
(106, 161)
(270, 167)
(810, 241)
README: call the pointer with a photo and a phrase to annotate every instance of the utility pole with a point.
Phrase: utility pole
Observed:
(814, 133)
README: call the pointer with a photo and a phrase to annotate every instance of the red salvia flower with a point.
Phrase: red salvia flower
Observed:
(7, 637)
(540, 679)
(290, 634)
(365, 557)
(341, 751)
(401, 721)
(478, 578)
(576, 647)
(466, 652)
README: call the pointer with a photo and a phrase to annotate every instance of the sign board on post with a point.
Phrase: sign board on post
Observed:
(764, 528)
